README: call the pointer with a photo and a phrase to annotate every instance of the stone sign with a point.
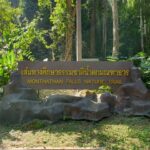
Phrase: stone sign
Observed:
(73, 75)
(23, 104)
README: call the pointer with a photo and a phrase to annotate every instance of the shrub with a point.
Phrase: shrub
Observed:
(103, 89)
(142, 61)
(145, 69)
(8, 64)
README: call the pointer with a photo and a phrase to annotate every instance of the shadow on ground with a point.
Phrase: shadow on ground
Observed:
(117, 132)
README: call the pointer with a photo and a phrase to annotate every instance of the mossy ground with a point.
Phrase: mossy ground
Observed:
(117, 132)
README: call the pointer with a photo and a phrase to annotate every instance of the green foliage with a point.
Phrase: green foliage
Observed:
(22, 38)
(59, 20)
(131, 3)
(145, 68)
(137, 59)
(19, 41)
(44, 4)
(104, 89)
(142, 61)
(16, 37)
(7, 15)
(112, 59)
(8, 64)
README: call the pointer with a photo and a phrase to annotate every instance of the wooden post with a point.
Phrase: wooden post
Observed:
(78, 31)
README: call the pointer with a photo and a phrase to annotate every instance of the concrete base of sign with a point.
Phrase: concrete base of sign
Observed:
(87, 109)
(133, 99)
(14, 109)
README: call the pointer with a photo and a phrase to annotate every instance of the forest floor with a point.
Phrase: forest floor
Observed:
(116, 132)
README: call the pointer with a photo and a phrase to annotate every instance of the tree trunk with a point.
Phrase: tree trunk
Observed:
(115, 51)
(69, 43)
(70, 30)
(104, 44)
(141, 27)
(93, 28)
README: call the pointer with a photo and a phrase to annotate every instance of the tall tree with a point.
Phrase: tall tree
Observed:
(93, 28)
(71, 11)
(115, 51)
(104, 26)
(141, 26)
(63, 27)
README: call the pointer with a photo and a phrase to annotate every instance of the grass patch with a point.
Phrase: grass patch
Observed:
(113, 133)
